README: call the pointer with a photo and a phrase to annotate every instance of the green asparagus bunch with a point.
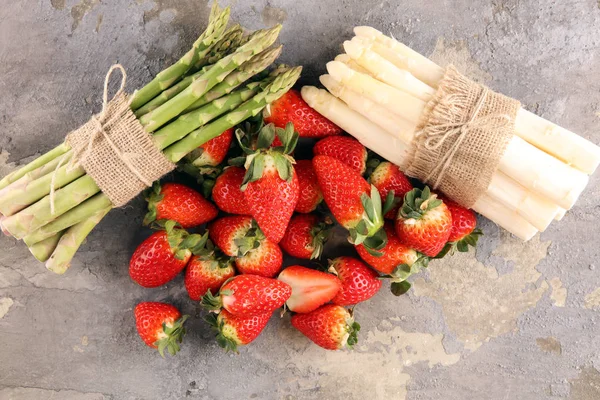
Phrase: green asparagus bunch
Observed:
(210, 89)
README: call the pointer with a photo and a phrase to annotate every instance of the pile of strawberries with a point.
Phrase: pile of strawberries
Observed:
(264, 201)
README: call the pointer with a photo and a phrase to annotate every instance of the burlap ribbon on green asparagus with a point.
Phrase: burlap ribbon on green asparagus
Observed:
(115, 151)
(462, 137)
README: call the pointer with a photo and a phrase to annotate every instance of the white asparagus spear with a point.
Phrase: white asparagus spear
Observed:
(537, 210)
(397, 101)
(380, 141)
(546, 176)
(349, 62)
(387, 72)
(542, 173)
(423, 68)
(534, 208)
(377, 114)
(560, 214)
(559, 142)
(504, 217)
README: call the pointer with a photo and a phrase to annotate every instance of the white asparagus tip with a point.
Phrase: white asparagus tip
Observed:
(343, 58)
(367, 32)
(339, 71)
(560, 214)
(353, 49)
(312, 95)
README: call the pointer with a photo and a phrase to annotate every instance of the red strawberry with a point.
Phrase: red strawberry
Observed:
(227, 194)
(359, 282)
(247, 295)
(271, 184)
(234, 235)
(305, 236)
(234, 330)
(207, 271)
(424, 222)
(387, 177)
(310, 192)
(463, 233)
(179, 203)
(310, 288)
(160, 326)
(344, 148)
(332, 327)
(353, 202)
(265, 260)
(309, 123)
(213, 152)
(395, 260)
(163, 255)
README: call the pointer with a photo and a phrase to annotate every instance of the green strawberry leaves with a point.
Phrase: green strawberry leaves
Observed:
(371, 226)
(400, 288)
(180, 241)
(417, 202)
(353, 329)
(174, 336)
(218, 324)
(461, 245)
(320, 234)
(399, 276)
(153, 196)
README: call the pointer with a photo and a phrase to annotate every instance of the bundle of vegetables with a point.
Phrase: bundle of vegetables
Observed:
(53, 206)
(379, 92)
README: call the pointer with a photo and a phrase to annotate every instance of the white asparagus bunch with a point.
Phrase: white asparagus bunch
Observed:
(379, 90)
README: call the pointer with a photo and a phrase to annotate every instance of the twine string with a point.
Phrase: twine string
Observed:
(79, 156)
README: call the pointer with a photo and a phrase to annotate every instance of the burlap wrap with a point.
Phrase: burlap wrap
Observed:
(461, 138)
(116, 151)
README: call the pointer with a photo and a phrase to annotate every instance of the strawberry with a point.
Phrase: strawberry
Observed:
(309, 123)
(213, 152)
(248, 295)
(271, 185)
(305, 236)
(234, 235)
(359, 282)
(160, 326)
(265, 260)
(310, 288)
(164, 255)
(207, 271)
(353, 202)
(344, 148)
(387, 177)
(424, 222)
(310, 192)
(179, 203)
(227, 194)
(463, 233)
(332, 327)
(234, 330)
(395, 260)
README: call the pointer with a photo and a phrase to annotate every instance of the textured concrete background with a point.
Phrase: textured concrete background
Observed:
(516, 321)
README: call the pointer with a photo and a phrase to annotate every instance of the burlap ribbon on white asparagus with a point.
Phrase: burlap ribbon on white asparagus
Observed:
(461, 138)
(114, 149)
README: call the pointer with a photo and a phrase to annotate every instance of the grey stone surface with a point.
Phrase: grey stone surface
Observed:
(518, 321)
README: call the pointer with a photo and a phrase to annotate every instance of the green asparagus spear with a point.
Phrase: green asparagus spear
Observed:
(216, 74)
(247, 70)
(75, 215)
(35, 164)
(230, 42)
(70, 242)
(190, 121)
(252, 107)
(167, 77)
(39, 214)
(44, 249)
(29, 177)
(20, 198)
